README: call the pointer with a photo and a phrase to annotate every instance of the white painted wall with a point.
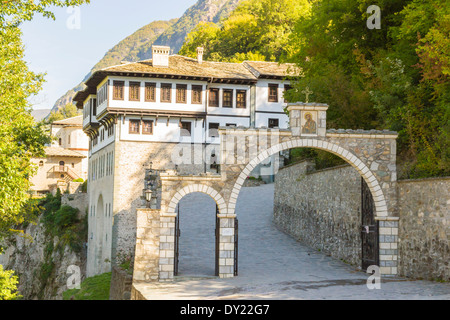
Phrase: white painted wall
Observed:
(158, 105)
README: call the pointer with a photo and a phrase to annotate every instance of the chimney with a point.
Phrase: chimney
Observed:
(160, 56)
(200, 54)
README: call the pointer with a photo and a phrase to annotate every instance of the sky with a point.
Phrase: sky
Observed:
(67, 48)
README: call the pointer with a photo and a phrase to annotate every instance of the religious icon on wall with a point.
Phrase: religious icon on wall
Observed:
(309, 125)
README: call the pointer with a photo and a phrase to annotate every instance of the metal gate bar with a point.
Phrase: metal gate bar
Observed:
(369, 229)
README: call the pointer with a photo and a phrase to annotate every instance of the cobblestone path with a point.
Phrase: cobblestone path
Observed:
(272, 265)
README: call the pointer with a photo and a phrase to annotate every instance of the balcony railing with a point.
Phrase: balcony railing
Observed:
(66, 170)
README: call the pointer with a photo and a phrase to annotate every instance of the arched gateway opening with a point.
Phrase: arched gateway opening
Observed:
(194, 236)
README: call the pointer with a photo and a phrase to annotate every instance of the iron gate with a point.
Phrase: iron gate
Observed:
(369, 229)
(236, 246)
(177, 242)
(217, 241)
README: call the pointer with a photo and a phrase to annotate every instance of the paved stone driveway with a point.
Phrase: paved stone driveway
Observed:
(272, 265)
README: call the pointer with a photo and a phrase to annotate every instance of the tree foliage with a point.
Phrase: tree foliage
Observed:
(393, 78)
(255, 30)
(68, 111)
(21, 138)
(8, 285)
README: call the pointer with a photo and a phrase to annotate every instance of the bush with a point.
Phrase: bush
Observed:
(84, 187)
(65, 217)
(78, 180)
(8, 285)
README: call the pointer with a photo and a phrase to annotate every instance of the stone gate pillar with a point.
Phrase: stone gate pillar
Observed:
(388, 241)
(147, 250)
(226, 247)
(167, 247)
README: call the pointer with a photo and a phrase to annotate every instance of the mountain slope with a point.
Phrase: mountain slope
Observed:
(126, 50)
(202, 11)
(169, 33)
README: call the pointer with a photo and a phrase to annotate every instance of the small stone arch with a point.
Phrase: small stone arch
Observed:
(364, 171)
(217, 197)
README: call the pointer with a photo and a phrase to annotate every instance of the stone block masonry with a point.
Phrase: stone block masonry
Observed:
(424, 230)
(321, 209)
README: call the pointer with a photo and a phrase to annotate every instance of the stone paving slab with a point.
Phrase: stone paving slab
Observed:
(272, 265)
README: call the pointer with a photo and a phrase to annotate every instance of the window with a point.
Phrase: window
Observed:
(111, 130)
(118, 90)
(60, 141)
(41, 163)
(68, 139)
(147, 127)
(273, 123)
(134, 126)
(273, 92)
(102, 94)
(94, 107)
(241, 99)
(134, 91)
(166, 89)
(213, 97)
(231, 124)
(213, 129)
(150, 92)
(181, 93)
(185, 128)
(286, 88)
(197, 94)
(227, 98)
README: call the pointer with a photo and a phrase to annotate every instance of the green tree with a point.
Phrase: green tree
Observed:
(68, 111)
(8, 285)
(21, 138)
(393, 78)
(256, 30)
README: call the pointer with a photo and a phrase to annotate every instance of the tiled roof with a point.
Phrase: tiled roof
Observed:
(77, 121)
(61, 152)
(184, 66)
(271, 69)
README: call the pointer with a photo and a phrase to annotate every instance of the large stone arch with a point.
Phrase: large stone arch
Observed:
(364, 171)
(214, 194)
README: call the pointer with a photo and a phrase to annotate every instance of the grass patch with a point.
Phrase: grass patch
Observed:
(93, 288)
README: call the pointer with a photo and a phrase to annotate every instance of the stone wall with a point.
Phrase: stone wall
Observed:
(321, 209)
(150, 228)
(79, 201)
(424, 232)
(121, 283)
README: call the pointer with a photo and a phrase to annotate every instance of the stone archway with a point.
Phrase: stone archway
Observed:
(214, 194)
(364, 171)
(372, 153)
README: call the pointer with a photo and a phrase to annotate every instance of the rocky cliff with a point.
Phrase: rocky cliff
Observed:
(42, 257)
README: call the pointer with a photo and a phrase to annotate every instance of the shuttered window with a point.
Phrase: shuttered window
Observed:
(150, 92)
(166, 91)
(134, 91)
(118, 90)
